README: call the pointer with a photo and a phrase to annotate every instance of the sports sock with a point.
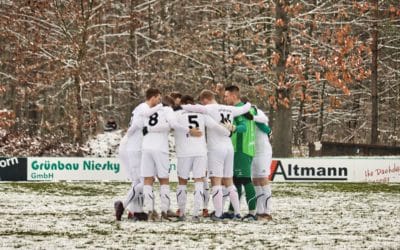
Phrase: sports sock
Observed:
(234, 198)
(148, 198)
(250, 197)
(206, 194)
(217, 199)
(225, 195)
(260, 196)
(268, 200)
(198, 197)
(181, 198)
(164, 196)
(132, 194)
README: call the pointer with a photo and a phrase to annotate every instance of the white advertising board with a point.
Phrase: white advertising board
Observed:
(333, 169)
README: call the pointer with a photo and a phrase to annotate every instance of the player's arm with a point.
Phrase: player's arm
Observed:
(240, 124)
(197, 108)
(135, 124)
(212, 124)
(260, 117)
(236, 111)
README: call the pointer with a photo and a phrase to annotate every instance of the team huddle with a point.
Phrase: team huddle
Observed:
(228, 144)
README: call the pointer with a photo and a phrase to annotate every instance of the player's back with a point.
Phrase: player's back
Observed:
(262, 142)
(157, 141)
(186, 145)
(220, 114)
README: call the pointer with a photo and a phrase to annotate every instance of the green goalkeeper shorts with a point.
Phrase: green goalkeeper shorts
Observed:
(242, 165)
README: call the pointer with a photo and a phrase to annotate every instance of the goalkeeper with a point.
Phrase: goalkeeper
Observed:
(243, 140)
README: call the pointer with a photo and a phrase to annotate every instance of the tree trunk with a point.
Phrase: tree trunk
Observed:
(374, 76)
(282, 143)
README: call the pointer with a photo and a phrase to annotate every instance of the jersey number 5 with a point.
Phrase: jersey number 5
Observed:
(192, 121)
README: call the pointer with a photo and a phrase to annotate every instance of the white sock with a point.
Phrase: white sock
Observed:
(138, 200)
(198, 197)
(181, 197)
(165, 200)
(260, 196)
(148, 198)
(217, 199)
(268, 200)
(225, 195)
(206, 194)
(234, 197)
(132, 194)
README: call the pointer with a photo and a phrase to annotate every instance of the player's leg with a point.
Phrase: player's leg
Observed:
(124, 159)
(215, 169)
(162, 165)
(206, 195)
(261, 172)
(183, 169)
(228, 182)
(198, 172)
(148, 171)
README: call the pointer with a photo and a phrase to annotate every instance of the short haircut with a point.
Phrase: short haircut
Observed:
(232, 88)
(207, 94)
(176, 95)
(187, 99)
(168, 101)
(152, 92)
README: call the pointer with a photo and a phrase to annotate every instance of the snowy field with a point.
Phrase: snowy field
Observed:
(308, 216)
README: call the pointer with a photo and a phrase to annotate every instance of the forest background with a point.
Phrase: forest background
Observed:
(322, 70)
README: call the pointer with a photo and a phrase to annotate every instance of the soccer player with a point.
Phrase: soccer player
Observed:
(220, 150)
(155, 162)
(261, 166)
(243, 141)
(129, 153)
(192, 155)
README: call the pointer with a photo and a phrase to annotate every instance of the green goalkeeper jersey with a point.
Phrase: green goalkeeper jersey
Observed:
(243, 139)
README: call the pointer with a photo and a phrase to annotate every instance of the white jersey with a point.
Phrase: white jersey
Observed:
(134, 135)
(219, 113)
(188, 146)
(157, 138)
(263, 145)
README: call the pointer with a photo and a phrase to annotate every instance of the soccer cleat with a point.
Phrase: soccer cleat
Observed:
(181, 218)
(195, 219)
(213, 217)
(237, 217)
(205, 213)
(130, 215)
(227, 215)
(140, 217)
(266, 217)
(153, 216)
(119, 210)
(172, 214)
(165, 217)
(249, 217)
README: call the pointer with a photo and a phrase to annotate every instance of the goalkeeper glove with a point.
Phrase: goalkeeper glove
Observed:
(145, 131)
(248, 116)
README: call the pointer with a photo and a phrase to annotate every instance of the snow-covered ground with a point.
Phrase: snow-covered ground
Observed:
(308, 216)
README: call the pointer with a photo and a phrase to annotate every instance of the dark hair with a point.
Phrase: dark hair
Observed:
(168, 101)
(232, 88)
(207, 94)
(152, 92)
(187, 99)
(176, 95)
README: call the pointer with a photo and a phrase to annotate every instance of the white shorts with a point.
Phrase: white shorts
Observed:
(155, 164)
(196, 164)
(261, 166)
(220, 162)
(130, 161)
